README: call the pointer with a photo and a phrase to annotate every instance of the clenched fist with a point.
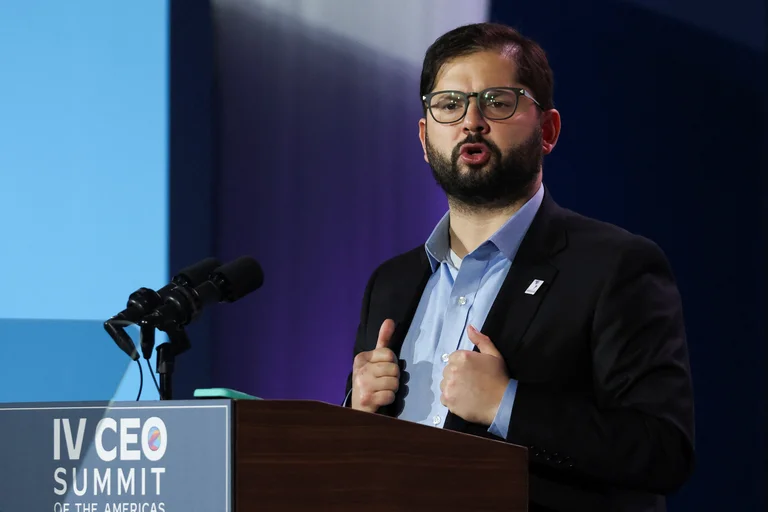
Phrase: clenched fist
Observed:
(376, 374)
(474, 382)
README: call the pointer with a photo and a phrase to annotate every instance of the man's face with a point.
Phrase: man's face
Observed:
(479, 162)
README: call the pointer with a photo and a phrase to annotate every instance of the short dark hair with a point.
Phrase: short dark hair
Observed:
(533, 71)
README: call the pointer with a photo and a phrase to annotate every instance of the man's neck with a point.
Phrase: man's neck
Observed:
(470, 227)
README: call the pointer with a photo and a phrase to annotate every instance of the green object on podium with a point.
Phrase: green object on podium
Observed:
(232, 394)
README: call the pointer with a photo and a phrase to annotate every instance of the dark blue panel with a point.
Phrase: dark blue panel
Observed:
(192, 189)
(663, 134)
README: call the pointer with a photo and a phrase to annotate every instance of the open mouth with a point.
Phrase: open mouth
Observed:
(475, 154)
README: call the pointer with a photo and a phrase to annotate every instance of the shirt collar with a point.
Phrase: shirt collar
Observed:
(506, 239)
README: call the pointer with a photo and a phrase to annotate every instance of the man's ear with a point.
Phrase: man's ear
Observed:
(423, 137)
(550, 130)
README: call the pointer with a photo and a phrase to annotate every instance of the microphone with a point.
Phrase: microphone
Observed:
(228, 283)
(144, 301)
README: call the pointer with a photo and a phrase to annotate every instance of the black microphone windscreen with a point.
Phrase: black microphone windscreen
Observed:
(243, 276)
(195, 274)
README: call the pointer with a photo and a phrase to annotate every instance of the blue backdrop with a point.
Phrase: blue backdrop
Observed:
(83, 189)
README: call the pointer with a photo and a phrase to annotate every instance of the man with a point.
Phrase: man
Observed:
(520, 320)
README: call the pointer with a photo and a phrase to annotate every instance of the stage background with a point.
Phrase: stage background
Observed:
(664, 115)
(138, 137)
(663, 133)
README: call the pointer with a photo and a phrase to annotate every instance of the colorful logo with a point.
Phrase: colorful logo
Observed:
(153, 439)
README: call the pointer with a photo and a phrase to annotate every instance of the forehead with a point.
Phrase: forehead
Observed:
(476, 71)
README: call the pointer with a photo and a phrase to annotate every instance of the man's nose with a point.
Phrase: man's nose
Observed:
(474, 122)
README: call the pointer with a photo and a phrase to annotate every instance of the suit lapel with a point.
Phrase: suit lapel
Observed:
(401, 307)
(412, 280)
(516, 304)
(521, 293)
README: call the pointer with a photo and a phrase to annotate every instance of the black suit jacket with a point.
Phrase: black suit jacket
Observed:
(604, 400)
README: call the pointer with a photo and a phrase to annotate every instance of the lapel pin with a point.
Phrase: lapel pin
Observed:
(534, 286)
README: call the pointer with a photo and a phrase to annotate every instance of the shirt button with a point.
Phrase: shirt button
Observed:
(444, 358)
(436, 420)
(462, 301)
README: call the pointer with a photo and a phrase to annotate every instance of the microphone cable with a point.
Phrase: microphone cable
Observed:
(153, 376)
(147, 343)
(141, 380)
(126, 323)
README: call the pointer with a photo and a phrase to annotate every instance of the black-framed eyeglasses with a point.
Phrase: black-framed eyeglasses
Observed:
(495, 103)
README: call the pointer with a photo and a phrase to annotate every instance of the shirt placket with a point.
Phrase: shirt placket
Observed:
(455, 322)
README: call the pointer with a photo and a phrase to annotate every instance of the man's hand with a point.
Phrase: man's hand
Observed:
(473, 384)
(376, 374)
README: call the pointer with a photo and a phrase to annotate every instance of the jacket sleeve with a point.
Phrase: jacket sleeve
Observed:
(636, 430)
(360, 342)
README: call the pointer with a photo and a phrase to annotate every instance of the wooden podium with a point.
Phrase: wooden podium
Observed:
(305, 455)
(224, 455)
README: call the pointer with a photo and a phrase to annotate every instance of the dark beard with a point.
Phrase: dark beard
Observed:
(507, 181)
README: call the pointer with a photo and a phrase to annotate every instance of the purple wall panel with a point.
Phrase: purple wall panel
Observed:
(321, 178)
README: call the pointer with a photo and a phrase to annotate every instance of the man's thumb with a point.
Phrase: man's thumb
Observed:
(385, 333)
(483, 342)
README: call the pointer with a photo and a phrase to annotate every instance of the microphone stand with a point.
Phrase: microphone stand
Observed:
(178, 343)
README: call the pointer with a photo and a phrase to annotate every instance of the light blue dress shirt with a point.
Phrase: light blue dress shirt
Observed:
(459, 292)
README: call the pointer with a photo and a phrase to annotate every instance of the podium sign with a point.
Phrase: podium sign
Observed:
(116, 457)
